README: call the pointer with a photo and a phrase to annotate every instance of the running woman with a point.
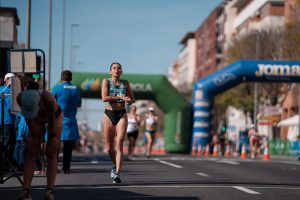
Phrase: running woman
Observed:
(132, 130)
(116, 93)
(151, 121)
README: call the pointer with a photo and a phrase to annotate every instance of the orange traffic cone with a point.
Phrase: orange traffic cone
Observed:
(207, 153)
(266, 153)
(194, 149)
(199, 150)
(215, 152)
(161, 151)
(227, 152)
(244, 153)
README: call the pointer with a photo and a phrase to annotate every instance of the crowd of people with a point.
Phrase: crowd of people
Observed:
(49, 118)
(253, 142)
(45, 118)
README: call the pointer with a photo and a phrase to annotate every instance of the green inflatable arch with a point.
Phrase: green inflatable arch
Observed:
(178, 111)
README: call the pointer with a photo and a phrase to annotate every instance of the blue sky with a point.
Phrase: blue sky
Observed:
(143, 35)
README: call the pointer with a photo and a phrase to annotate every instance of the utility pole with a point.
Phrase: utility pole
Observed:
(28, 23)
(255, 83)
(299, 107)
(71, 45)
(63, 35)
(50, 44)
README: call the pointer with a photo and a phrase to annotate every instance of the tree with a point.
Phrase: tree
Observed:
(292, 33)
(261, 45)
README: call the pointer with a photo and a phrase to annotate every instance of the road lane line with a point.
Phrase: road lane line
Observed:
(228, 162)
(202, 174)
(168, 163)
(151, 186)
(245, 190)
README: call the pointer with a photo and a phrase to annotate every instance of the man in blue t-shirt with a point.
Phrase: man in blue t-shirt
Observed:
(9, 135)
(68, 98)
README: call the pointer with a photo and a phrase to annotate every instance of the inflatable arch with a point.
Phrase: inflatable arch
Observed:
(178, 111)
(242, 71)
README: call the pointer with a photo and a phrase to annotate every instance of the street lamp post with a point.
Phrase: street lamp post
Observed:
(71, 44)
(73, 57)
(255, 83)
(50, 44)
(28, 25)
(63, 35)
(299, 111)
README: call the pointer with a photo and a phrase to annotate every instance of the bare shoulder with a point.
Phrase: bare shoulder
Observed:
(126, 82)
(48, 96)
(105, 81)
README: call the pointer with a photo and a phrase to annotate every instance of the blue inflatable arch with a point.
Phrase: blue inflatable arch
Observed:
(242, 71)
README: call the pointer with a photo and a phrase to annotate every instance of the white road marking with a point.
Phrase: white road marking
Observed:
(228, 162)
(245, 190)
(202, 174)
(168, 163)
(160, 186)
(288, 162)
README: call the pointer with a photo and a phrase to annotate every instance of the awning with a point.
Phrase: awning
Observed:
(292, 121)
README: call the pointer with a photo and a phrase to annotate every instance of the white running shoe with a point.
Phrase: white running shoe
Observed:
(113, 172)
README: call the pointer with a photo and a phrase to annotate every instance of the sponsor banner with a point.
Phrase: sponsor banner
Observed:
(201, 124)
(201, 134)
(141, 87)
(204, 114)
(198, 94)
(90, 84)
(202, 103)
(270, 111)
(223, 79)
(277, 70)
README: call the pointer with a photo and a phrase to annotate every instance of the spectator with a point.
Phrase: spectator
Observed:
(9, 135)
(22, 132)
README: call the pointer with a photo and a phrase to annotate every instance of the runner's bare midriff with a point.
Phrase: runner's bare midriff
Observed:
(115, 106)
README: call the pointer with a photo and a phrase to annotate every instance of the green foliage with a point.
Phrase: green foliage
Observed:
(292, 34)
(240, 97)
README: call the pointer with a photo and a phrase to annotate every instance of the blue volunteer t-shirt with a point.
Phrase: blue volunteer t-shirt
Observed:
(68, 98)
(9, 118)
(22, 128)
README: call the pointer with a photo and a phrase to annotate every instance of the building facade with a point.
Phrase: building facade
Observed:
(213, 37)
(9, 21)
(182, 73)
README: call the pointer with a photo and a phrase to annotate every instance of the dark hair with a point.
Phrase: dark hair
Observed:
(66, 75)
(29, 83)
(115, 63)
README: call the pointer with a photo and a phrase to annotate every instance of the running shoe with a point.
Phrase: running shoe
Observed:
(25, 195)
(113, 172)
(129, 157)
(49, 195)
(116, 179)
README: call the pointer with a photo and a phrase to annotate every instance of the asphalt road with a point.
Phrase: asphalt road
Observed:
(171, 177)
